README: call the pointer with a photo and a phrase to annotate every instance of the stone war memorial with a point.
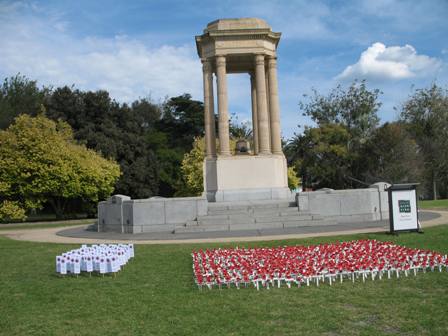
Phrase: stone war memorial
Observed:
(242, 46)
(245, 190)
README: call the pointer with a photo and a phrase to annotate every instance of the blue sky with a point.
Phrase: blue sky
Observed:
(146, 48)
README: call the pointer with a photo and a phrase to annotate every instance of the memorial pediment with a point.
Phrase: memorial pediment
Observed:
(237, 37)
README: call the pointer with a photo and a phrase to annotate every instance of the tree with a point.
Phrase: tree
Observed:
(148, 140)
(293, 180)
(192, 170)
(425, 114)
(41, 162)
(391, 155)
(240, 130)
(19, 95)
(330, 155)
(116, 131)
(355, 108)
(183, 120)
(321, 156)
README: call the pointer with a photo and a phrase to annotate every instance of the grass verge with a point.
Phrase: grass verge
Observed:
(45, 225)
(437, 204)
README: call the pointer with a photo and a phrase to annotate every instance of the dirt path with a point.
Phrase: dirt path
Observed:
(48, 235)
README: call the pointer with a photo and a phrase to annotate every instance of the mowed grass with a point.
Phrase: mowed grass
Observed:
(46, 224)
(155, 295)
(437, 204)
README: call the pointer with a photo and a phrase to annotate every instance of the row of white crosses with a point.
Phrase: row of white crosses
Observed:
(102, 258)
(300, 265)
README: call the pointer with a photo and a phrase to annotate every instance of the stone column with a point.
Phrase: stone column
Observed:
(263, 122)
(268, 103)
(254, 112)
(209, 110)
(274, 107)
(223, 120)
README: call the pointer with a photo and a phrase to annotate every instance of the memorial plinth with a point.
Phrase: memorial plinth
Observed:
(246, 177)
(249, 46)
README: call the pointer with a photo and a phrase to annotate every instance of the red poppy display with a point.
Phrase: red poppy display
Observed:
(267, 267)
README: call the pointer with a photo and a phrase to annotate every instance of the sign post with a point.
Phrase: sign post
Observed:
(403, 214)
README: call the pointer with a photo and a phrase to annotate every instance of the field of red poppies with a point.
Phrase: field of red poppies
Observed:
(300, 265)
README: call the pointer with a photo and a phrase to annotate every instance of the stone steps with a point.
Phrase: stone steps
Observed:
(282, 209)
(224, 216)
(247, 205)
(276, 216)
(251, 221)
(283, 219)
(255, 215)
(271, 211)
(251, 226)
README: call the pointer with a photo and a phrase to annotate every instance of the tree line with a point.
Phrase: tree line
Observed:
(148, 140)
(152, 143)
(41, 164)
(349, 148)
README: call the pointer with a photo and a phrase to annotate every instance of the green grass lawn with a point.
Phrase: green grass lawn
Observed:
(438, 204)
(155, 295)
(44, 225)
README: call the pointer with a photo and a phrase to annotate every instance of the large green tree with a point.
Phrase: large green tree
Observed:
(330, 154)
(391, 155)
(148, 140)
(354, 107)
(321, 156)
(181, 122)
(192, 170)
(20, 95)
(425, 113)
(40, 162)
(117, 131)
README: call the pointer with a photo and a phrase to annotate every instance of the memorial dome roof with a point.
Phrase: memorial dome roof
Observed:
(237, 24)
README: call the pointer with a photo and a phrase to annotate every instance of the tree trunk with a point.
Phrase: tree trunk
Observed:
(434, 188)
(58, 206)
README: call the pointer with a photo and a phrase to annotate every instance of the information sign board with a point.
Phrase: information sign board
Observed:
(403, 214)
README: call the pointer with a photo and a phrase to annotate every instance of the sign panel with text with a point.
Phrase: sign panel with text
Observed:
(403, 214)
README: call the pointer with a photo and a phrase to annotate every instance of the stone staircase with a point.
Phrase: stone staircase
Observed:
(253, 215)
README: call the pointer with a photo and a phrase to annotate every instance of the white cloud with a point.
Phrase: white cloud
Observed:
(41, 48)
(379, 62)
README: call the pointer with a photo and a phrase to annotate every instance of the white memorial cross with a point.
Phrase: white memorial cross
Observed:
(103, 258)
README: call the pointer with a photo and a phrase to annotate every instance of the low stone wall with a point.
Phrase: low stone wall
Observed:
(351, 205)
(121, 214)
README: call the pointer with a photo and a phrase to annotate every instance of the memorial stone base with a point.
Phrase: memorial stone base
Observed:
(245, 178)
(196, 215)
